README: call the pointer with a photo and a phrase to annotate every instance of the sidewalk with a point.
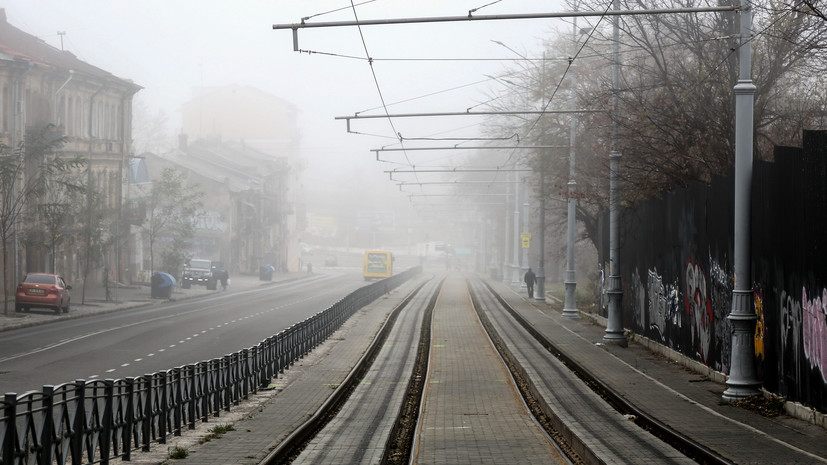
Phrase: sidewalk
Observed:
(663, 388)
(471, 414)
(122, 297)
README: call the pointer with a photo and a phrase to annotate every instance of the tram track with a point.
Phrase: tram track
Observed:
(647, 423)
(289, 451)
(576, 422)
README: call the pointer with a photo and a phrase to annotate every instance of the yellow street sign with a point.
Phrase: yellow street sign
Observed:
(526, 239)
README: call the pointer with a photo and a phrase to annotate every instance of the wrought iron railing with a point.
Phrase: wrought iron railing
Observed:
(84, 421)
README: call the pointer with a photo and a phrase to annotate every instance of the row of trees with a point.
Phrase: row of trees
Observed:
(51, 202)
(673, 109)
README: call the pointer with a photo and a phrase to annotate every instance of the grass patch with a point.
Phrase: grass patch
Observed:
(178, 453)
(216, 432)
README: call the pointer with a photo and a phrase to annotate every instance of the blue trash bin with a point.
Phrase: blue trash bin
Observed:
(161, 285)
(265, 273)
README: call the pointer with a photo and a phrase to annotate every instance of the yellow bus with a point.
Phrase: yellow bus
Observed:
(378, 264)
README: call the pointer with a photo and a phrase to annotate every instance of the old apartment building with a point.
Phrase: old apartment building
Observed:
(241, 145)
(41, 85)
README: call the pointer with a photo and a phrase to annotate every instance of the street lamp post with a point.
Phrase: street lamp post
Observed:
(742, 381)
(570, 307)
(515, 240)
(524, 264)
(541, 265)
(614, 325)
(507, 245)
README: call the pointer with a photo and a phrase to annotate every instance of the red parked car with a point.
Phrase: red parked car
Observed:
(42, 290)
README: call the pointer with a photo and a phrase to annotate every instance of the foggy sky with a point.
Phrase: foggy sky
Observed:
(172, 47)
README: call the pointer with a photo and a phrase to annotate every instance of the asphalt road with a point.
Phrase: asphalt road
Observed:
(145, 340)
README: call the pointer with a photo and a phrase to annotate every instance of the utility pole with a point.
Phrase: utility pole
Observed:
(540, 279)
(570, 306)
(524, 264)
(614, 326)
(507, 244)
(515, 240)
(743, 381)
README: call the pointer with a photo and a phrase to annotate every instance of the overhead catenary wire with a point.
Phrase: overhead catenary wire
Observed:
(550, 99)
(373, 73)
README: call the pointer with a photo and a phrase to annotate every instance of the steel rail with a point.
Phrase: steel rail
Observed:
(305, 432)
(681, 442)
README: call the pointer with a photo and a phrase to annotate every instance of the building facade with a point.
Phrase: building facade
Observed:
(40, 86)
(249, 141)
(243, 218)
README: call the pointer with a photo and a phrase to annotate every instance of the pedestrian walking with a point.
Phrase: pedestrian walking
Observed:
(225, 279)
(529, 279)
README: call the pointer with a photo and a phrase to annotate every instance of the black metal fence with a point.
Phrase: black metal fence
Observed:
(94, 421)
(677, 271)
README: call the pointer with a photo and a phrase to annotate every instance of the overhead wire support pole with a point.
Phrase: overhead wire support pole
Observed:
(743, 380)
(570, 306)
(470, 147)
(614, 333)
(449, 183)
(463, 113)
(461, 170)
(456, 195)
(446, 19)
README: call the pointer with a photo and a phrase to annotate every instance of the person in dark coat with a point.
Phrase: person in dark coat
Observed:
(529, 279)
(223, 277)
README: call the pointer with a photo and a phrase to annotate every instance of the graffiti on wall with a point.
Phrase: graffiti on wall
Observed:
(758, 302)
(720, 298)
(698, 309)
(791, 324)
(663, 305)
(687, 237)
(814, 330)
(637, 295)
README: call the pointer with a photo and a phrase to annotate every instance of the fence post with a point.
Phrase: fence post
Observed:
(46, 439)
(245, 372)
(228, 381)
(267, 358)
(216, 390)
(10, 427)
(108, 407)
(163, 409)
(179, 396)
(193, 398)
(147, 425)
(79, 426)
(205, 390)
(129, 419)
(280, 351)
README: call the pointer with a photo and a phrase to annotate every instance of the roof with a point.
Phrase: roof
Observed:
(17, 45)
(255, 93)
(230, 162)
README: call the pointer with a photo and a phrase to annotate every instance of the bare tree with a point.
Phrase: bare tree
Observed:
(675, 111)
(56, 212)
(25, 172)
(171, 213)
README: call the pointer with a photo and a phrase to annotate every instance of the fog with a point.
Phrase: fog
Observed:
(171, 48)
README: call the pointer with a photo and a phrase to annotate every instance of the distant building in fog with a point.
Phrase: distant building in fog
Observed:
(243, 222)
(242, 145)
(239, 113)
